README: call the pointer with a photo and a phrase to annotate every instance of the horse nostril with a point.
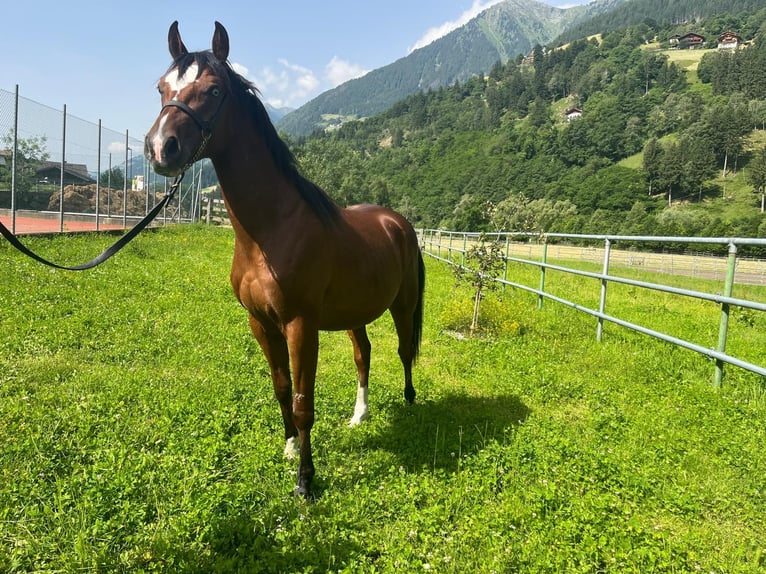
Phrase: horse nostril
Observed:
(171, 149)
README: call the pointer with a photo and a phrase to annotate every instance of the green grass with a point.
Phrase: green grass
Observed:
(138, 433)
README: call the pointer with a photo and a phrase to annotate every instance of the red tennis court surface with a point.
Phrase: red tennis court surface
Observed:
(28, 224)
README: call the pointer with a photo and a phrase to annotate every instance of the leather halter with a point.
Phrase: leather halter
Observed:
(205, 126)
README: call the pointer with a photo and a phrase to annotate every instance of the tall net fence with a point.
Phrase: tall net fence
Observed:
(59, 172)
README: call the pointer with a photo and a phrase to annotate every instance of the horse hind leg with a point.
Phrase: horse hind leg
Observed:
(407, 312)
(362, 349)
(405, 331)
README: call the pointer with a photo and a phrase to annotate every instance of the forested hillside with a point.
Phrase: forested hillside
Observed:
(501, 32)
(687, 13)
(498, 152)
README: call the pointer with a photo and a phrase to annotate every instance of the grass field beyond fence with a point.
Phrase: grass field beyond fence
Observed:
(138, 433)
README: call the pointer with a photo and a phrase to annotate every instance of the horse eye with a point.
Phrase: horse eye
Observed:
(216, 92)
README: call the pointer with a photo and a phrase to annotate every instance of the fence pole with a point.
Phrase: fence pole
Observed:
(505, 262)
(465, 246)
(145, 173)
(61, 183)
(604, 283)
(98, 175)
(724, 324)
(109, 188)
(540, 297)
(13, 159)
(125, 186)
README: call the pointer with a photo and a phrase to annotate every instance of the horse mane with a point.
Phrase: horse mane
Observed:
(284, 159)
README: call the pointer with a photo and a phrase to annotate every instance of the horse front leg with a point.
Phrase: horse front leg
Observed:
(303, 346)
(274, 347)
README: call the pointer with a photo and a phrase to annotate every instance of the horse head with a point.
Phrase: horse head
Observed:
(194, 96)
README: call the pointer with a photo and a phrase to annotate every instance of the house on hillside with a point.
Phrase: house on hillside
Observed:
(691, 41)
(573, 114)
(530, 58)
(729, 41)
(74, 173)
(673, 40)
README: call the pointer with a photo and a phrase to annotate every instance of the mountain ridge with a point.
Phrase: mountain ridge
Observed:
(500, 33)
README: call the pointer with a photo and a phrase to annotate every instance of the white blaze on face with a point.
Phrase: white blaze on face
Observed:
(159, 139)
(177, 82)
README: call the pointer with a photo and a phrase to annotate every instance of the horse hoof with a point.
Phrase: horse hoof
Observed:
(409, 395)
(304, 492)
(356, 420)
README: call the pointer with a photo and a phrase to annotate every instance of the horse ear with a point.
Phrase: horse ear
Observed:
(175, 44)
(220, 42)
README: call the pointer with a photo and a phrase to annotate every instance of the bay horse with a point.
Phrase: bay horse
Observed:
(301, 263)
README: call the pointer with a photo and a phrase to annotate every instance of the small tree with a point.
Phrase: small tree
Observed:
(756, 175)
(112, 178)
(32, 152)
(483, 263)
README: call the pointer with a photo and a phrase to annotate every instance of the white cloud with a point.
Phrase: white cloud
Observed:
(116, 147)
(437, 32)
(339, 71)
(286, 84)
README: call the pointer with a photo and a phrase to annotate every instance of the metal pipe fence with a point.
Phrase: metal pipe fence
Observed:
(537, 250)
(62, 173)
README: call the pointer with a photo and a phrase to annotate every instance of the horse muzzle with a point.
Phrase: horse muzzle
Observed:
(164, 154)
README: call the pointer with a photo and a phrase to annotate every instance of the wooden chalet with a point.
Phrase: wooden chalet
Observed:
(729, 41)
(573, 114)
(74, 173)
(691, 40)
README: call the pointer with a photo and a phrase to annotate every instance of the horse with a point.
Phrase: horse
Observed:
(302, 264)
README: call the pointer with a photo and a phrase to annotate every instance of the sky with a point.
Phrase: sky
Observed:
(103, 58)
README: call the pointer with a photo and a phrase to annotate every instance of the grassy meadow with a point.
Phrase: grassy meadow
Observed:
(139, 433)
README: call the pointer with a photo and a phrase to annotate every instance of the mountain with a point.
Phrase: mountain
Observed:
(500, 33)
(632, 12)
(276, 114)
(669, 142)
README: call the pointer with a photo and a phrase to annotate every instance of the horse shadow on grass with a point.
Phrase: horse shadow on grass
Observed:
(436, 433)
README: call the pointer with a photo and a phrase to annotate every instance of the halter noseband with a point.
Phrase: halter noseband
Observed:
(205, 126)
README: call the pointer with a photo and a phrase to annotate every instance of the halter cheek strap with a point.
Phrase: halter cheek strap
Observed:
(205, 126)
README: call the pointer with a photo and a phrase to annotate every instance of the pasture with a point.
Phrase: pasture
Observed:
(139, 433)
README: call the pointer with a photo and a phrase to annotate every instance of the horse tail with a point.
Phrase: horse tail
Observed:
(417, 317)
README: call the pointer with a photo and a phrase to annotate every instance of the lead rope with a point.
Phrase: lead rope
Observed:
(207, 133)
(120, 243)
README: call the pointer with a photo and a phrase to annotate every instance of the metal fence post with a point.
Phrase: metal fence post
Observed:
(98, 175)
(540, 297)
(604, 282)
(13, 159)
(724, 324)
(505, 261)
(146, 185)
(61, 183)
(125, 186)
(465, 246)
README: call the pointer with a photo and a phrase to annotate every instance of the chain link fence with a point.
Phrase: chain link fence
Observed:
(61, 173)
